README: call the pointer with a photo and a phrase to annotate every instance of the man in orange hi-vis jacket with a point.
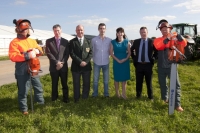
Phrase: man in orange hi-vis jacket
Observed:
(162, 44)
(21, 50)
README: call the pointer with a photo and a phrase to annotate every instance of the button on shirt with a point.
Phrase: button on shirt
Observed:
(146, 51)
(101, 49)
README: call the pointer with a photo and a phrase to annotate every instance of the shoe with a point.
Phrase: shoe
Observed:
(66, 101)
(76, 100)
(24, 112)
(118, 95)
(124, 97)
(166, 101)
(179, 109)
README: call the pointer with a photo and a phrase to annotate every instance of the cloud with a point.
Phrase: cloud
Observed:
(74, 16)
(36, 16)
(134, 27)
(192, 11)
(192, 6)
(20, 2)
(157, 18)
(92, 21)
(156, 1)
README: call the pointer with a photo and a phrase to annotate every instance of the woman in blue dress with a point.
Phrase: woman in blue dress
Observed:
(120, 52)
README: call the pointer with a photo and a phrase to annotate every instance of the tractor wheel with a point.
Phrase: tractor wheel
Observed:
(189, 51)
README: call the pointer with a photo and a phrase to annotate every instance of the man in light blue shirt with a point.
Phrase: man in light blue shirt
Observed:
(101, 46)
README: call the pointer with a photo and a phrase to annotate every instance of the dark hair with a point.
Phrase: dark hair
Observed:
(56, 26)
(143, 28)
(120, 29)
(101, 24)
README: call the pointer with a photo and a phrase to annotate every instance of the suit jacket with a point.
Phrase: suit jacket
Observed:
(152, 52)
(80, 53)
(54, 55)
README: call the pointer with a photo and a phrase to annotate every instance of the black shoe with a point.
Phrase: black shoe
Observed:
(54, 100)
(138, 97)
(76, 100)
(66, 101)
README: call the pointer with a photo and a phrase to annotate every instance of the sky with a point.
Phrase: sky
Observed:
(128, 14)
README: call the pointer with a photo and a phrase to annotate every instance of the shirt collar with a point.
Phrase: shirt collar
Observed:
(100, 37)
(57, 38)
(144, 39)
(80, 38)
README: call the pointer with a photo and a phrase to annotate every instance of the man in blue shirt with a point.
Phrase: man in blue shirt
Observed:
(143, 54)
(101, 46)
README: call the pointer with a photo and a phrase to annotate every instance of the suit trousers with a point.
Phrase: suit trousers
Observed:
(144, 70)
(55, 78)
(86, 84)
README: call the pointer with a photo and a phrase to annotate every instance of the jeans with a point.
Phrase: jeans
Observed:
(105, 69)
(25, 83)
(163, 73)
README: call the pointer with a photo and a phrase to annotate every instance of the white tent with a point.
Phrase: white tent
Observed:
(7, 34)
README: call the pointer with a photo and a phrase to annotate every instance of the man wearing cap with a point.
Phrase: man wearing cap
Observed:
(21, 50)
(162, 44)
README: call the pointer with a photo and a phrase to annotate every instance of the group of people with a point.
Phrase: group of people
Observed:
(81, 50)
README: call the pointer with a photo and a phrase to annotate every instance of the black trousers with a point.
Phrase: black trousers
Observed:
(86, 84)
(144, 70)
(55, 78)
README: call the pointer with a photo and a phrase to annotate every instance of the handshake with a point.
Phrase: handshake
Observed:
(33, 52)
(173, 36)
(59, 65)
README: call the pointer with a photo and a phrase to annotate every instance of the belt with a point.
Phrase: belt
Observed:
(143, 62)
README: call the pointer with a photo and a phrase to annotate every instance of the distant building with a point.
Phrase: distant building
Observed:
(87, 36)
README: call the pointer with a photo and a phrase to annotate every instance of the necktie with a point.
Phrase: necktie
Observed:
(58, 43)
(81, 42)
(143, 52)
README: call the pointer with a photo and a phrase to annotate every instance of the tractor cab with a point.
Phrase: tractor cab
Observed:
(189, 32)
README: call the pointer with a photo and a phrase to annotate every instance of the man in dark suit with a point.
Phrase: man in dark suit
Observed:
(57, 50)
(81, 54)
(143, 54)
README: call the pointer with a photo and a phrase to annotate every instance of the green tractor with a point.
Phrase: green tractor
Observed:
(189, 32)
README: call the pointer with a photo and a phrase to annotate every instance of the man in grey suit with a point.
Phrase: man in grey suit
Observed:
(81, 54)
(57, 50)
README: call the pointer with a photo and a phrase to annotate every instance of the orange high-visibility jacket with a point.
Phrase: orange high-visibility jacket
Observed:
(18, 49)
(159, 45)
(18, 53)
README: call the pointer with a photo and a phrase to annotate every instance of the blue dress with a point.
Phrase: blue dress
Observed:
(121, 71)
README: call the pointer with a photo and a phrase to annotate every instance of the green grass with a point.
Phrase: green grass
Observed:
(4, 58)
(106, 115)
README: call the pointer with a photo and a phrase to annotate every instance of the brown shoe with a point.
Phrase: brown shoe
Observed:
(179, 109)
(166, 101)
(25, 113)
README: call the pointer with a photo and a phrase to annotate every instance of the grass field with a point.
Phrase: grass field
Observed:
(4, 58)
(106, 115)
